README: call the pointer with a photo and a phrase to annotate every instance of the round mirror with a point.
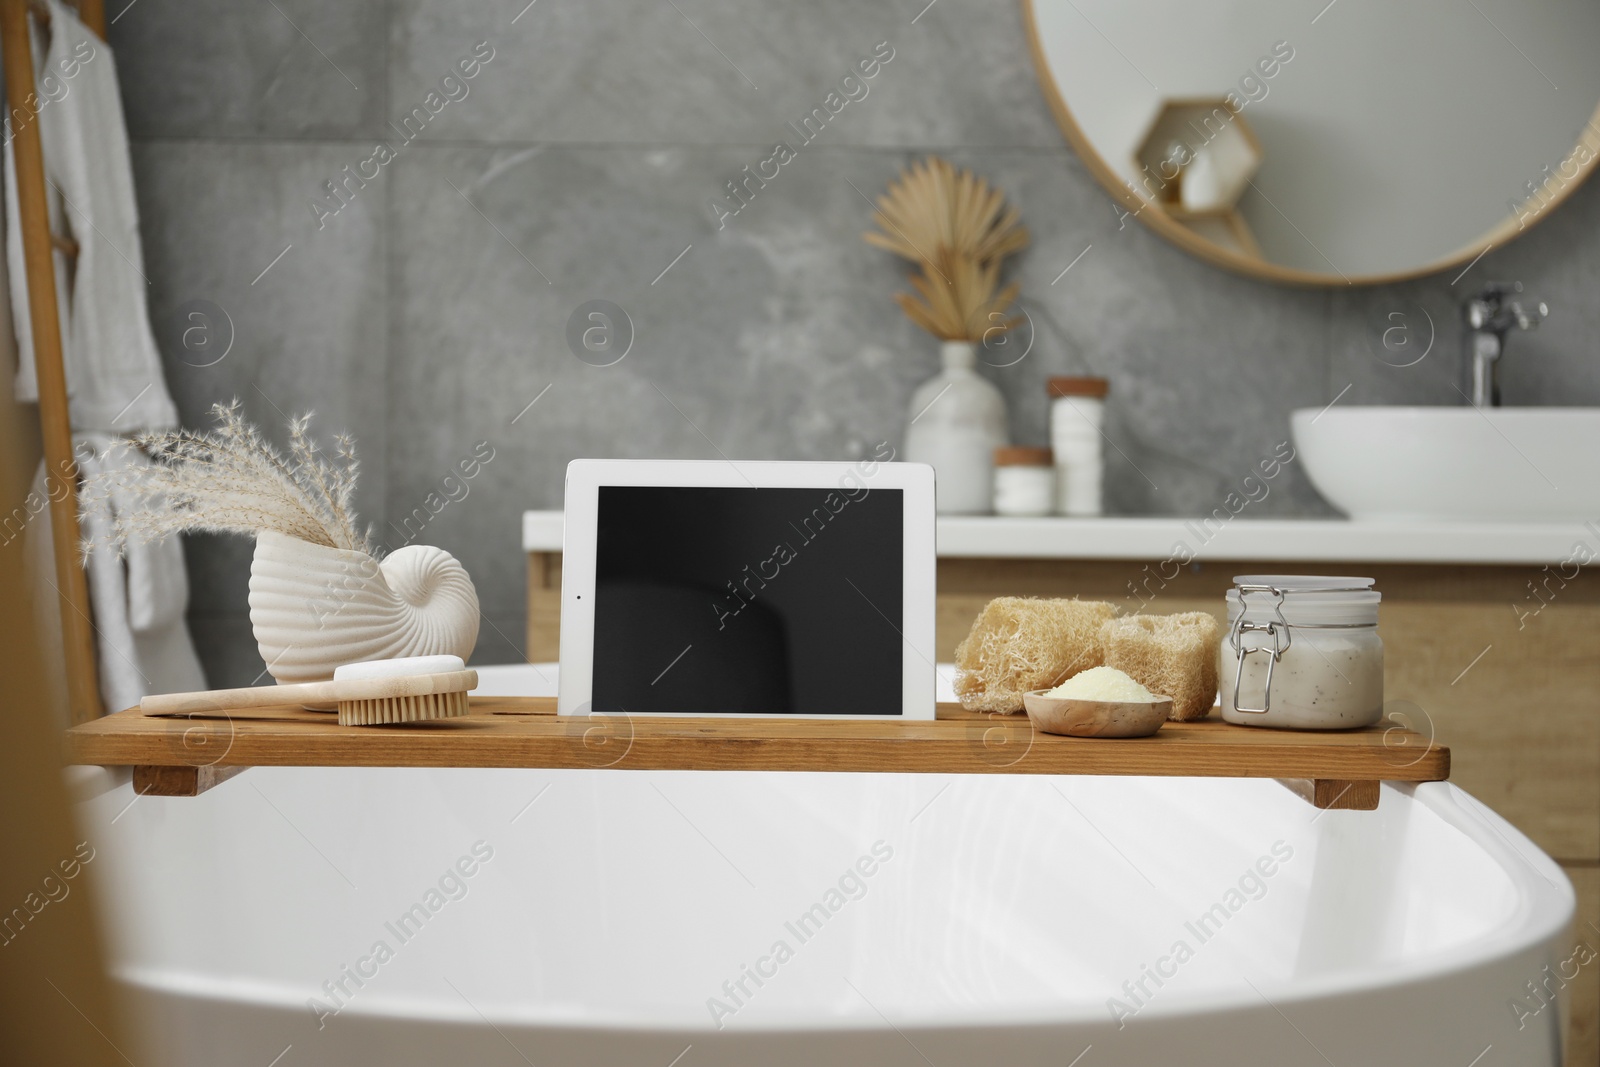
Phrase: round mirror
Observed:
(1328, 143)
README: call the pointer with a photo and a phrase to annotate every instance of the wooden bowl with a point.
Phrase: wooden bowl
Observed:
(1095, 718)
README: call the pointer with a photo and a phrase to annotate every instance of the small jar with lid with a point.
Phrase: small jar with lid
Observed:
(1302, 652)
(1024, 481)
(1077, 416)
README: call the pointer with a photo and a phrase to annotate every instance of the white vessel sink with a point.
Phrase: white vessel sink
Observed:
(1454, 463)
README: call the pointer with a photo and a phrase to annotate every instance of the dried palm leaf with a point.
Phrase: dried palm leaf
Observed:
(961, 299)
(933, 206)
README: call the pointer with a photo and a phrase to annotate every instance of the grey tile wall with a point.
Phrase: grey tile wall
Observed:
(304, 332)
(719, 71)
(289, 68)
(428, 314)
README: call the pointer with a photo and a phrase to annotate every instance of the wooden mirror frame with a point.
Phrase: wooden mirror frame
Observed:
(1165, 226)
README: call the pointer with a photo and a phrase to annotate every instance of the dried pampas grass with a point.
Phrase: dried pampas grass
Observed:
(229, 480)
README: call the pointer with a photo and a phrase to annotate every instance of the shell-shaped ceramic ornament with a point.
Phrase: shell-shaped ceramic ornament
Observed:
(314, 608)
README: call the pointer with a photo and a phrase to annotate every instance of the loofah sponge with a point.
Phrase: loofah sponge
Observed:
(1020, 643)
(1174, 655)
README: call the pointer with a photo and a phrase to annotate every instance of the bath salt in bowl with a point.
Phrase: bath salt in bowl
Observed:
(1098, 702)
(1103, 683)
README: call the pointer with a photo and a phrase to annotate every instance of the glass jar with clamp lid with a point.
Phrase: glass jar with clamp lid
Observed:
(1302, 652)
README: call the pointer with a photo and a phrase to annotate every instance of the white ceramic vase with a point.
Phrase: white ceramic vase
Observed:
(314, 608)
(958, 419)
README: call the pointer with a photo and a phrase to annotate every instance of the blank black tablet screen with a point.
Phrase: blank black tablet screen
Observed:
(747, 601)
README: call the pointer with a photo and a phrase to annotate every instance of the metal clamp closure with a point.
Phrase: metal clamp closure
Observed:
(1277, 628)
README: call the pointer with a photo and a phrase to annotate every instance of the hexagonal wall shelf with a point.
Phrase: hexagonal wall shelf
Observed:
(1195, 160)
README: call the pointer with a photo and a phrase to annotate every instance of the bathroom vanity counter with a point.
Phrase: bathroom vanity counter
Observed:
(183, 756)
(1214, 540)
(1288, 540)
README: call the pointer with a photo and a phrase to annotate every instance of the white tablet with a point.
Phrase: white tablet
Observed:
(748, 589)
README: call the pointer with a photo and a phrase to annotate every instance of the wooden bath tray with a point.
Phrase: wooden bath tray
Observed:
(186, 756)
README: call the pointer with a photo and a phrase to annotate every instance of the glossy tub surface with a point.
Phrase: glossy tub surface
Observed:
(604, 917)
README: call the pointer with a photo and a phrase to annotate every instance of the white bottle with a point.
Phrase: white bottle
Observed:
(957, 421)
(1077, 421)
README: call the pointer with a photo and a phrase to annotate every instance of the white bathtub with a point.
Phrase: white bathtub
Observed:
(611, 917)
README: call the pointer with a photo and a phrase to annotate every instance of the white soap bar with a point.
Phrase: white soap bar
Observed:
(1103, 683)
(402, 667)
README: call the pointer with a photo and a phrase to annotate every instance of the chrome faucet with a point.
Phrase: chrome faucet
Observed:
(1490, 316)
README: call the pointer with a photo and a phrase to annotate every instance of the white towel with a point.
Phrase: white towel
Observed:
(138, 601)
(114, 375)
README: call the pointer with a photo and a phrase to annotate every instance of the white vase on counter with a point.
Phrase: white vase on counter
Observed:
(958, 419)
(314, 608)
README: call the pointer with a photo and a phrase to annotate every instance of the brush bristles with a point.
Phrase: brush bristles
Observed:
(402, 709)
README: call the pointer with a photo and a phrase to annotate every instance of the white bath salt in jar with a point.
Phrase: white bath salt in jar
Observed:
(1024, 480)
(1302, 652)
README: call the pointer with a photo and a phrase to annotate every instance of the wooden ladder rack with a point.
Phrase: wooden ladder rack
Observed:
(55, 423)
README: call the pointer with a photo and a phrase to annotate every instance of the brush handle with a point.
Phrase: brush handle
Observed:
(266, 696)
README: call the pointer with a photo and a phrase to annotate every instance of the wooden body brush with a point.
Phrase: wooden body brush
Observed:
(412, 689)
